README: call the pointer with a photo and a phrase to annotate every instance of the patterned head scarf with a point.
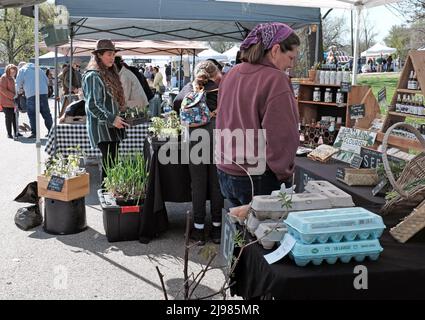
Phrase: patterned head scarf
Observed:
(268, 33)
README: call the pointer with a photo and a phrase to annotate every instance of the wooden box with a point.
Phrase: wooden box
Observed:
(73, 188)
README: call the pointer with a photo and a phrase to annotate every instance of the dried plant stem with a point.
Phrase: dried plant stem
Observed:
(161, 277)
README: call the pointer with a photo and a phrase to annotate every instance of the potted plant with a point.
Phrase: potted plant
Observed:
(313, 72)
(122, 199)
(63, 179)
(165, 128)
(135, 115)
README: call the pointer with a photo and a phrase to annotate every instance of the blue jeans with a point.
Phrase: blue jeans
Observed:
(237, 189)
(44, 110)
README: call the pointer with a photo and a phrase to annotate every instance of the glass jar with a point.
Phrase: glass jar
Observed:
(316, 95)
(328, 95)
(339, 96)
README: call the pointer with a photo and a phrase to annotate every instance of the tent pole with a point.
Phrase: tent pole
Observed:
(316, 57)
(356, 44)
(193, 66)
(37, 90)
(180, 70)
(56, 97)
(70, 71)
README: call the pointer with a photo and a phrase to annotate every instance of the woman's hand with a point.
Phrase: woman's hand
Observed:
(120, 123)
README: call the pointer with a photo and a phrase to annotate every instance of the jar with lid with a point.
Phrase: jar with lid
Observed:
(328, 95)
(316, 95)
(339, 96)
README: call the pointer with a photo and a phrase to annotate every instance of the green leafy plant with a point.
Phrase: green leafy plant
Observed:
(166, 127)
(126, 177)
(134, 113)
(65, 167)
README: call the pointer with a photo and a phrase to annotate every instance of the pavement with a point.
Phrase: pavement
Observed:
(36, 265)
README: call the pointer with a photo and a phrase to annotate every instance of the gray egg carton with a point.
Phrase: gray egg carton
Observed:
(253, 222)
(337, 197)
(269, 233)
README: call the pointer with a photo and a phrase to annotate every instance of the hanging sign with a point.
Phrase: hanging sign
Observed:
(345, 86)
(357, 111)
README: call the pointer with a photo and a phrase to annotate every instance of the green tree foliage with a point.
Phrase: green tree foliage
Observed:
(399, 38)
(16, 36)
(17, 33)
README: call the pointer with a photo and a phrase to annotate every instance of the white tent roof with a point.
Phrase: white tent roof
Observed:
(50, 55)
(377, 50)
(232, 52)
(212, 54)
(19, 3)
(337, 4)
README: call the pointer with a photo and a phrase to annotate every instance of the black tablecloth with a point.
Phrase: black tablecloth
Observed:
(399, 273)
(170, 182)
(307, 169)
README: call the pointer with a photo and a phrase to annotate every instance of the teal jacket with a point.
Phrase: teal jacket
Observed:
(101, 110)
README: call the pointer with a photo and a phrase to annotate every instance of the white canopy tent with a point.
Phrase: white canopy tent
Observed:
(26, 3)
(212, 54)
(358, 5)
(378, 50)
(231, 53)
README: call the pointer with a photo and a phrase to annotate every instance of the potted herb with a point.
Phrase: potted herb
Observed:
(165, 128)
(123, 196)
(135, 115)
(63, 179)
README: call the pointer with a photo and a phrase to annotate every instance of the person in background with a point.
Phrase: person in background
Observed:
(7, 95)
(257, 94)
(104, 98)
(148, 92)
(26, 80)
(50, 87)
(158, 81)
(390, 64)
(204, 180)
(133, 91)
(168, 74)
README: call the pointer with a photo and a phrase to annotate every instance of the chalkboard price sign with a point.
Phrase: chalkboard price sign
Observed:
(357, 111)
(56, 184)
(345, 86)
(379, 187)
(356, 162)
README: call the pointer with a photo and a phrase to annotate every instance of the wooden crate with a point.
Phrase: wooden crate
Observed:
(73, 188)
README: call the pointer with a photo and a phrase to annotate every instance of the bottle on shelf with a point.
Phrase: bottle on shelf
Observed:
(398, 103)
(338, 77)
(410, 81)
(328, 95)
(414, 82)
(316, 94)
(339, 96)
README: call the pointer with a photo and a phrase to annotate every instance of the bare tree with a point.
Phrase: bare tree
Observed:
(334, 31)
(367, 32)
(414, 9)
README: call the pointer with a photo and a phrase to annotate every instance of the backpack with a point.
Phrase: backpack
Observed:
(194, 110)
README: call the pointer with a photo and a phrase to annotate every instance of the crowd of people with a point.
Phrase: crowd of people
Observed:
(255, 94)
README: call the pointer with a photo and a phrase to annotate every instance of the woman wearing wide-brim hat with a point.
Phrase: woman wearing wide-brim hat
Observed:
(104, 98)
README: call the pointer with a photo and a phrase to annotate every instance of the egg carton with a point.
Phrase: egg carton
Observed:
(253, 222)
(270, 207)
(330, 253)
(334, 225)
(269, 233)
(337, 197)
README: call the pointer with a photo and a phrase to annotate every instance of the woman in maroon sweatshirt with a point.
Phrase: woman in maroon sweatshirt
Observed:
(256, 100)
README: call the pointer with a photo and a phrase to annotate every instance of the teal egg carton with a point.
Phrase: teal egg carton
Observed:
(330, 253)
(334, 225)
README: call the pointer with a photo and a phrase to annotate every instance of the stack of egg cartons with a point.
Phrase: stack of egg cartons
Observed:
(329, 235)
(266, 212)
(337, 197)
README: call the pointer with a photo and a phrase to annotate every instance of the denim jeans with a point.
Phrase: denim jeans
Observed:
(238, 190)
(44, 110)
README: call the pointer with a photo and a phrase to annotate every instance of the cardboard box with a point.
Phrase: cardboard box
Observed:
(73, 188)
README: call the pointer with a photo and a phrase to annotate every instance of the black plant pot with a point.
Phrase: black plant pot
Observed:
(121, 221)
(64, 217)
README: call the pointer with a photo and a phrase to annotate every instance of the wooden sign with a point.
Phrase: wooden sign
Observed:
(372, 158)
(382, 95)
(357, 111)
(345, 86)
(356, 162)
(340, 173)
(56, 184)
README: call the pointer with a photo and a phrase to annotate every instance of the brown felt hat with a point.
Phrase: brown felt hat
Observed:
(104, 45)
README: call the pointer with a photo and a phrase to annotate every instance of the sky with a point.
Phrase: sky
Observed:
(382, 25)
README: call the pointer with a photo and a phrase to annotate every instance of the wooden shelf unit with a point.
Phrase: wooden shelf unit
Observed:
(416, 62)
(310, 110)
